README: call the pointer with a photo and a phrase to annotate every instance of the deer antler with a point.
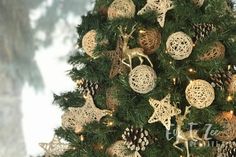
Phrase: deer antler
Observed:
(132, 30)
(187, 110)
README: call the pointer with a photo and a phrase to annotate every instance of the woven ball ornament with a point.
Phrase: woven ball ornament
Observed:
(232, 85)
(142, 79)
(217, 51)
(198, 3)
(228, 122)
(121, 9)
(179, 45)
(200, 94)
(89, 42)
(149, 40)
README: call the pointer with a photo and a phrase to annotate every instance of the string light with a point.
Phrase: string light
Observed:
(229, 98)
(81, 138)
(171, 62)
(174, 81)
(191, 70)
(232, 112)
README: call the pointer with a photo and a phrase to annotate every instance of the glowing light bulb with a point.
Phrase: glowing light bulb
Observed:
(232, 112)
(229, 98)
(81, 138)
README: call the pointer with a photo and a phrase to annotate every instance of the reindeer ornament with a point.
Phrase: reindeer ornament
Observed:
(131, 53)
(184, 137)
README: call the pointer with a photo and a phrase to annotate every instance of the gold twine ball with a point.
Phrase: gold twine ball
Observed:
(217, 51)
(232, 85)
(228, 123)
(142, 79)
(198, 3)
(179, 45)
(149, 40)
(112, 101)
(121, 9)
(200, 94)
(89, 42)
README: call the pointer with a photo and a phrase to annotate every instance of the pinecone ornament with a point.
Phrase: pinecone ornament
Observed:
(202, 30)
(227, 149)
(136, 139)
(221, 79)
(86, 86)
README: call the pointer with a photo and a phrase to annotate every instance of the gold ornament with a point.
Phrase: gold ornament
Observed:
(76, 118)
(179, 45)
(55, 147)
(89, 42)
(217, 51)
(116, 56)
(119, 149)
(131, 53)
(232, 85)
(200, 94)
(183, 137)
(111, 100)
(163, 111)
(142, 79)
(149, 40)
(121, 9)
(228, 121)
(160, 7)
(198, 3)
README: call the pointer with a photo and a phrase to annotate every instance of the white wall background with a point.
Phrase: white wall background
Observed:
(40, 116)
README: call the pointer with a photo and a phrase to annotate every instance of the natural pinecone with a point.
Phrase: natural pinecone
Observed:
(202, 30)
(221, 79)
(136, 138)
(86, 86)
(227, 149)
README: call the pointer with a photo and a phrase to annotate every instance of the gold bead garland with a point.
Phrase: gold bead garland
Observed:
(200, 94)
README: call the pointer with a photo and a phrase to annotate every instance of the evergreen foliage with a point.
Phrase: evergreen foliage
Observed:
(135, 109)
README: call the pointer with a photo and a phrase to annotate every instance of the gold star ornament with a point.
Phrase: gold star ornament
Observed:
(163, 111)
(160, 7)
(76, 118)
(55, 147)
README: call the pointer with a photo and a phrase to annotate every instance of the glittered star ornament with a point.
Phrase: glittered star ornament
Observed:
(76, 118)
(163, 111)
(55, 147)
(160, 7)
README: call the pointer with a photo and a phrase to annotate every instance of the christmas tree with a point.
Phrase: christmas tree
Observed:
(155, 78)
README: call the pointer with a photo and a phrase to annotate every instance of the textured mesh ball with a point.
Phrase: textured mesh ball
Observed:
(217, 51)
(179, 45)
(232, 85)
(198, 3)
(149, 40)
(200, 94)
(142, 79)
(228, 122)
(121, 9)
(89, 42)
